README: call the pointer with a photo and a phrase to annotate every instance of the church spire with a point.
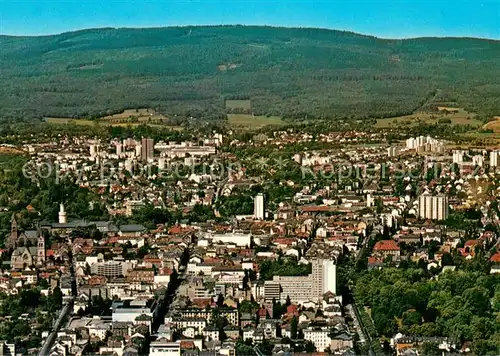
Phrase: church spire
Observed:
(40, 251)
(14, 233)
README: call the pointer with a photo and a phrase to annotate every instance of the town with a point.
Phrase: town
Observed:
(281, 241)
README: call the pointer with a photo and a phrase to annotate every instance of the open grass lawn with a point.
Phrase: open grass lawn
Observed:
(252, 122)
(140, 115)
(239, 104)
(131, 117)
(130, 113)
(63, 120)
(459, 117)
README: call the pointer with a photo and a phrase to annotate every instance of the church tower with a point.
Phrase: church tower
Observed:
(14, 233)
(62, 214)
(40, 250)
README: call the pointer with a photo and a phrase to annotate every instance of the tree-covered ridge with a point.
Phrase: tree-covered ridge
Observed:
(190, 71)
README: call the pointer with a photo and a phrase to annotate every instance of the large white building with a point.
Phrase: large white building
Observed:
(110, 269)
(324, 275)
(323, 278)
(258, 207)
(392, 151)
(128, 313)
(434, 207)
(425, 143)
(458, 156)
(494, 158)
(236, 238)
(319, 336)
(164, 347)
(478, 160)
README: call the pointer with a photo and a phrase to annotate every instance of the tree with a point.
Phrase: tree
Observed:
(220, 300)
(288, 302)
(277, 309)
(248, 306)
(243, 349)
(411, 318)
(477, 300)
(57, 297)
(309, 347)
(30, 298)
(293, 327)
(430, 349)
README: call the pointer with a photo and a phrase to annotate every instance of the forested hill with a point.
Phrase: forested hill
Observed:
(288, 72)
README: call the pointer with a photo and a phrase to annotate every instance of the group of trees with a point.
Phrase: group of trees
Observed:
(23, 186)
(40, 310)
(461, 305)
(283, 266)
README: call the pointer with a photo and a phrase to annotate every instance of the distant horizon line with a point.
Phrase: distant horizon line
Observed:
(248, 25)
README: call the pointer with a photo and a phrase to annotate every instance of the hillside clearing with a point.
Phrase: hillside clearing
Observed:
(239, 104)
(455, 117)
(252, 122)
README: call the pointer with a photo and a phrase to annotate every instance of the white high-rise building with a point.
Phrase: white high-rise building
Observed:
(434, 207)
(119, 149)
(323, 278)
(129, 165)
(324, 275)
(62, 214)
(458, 156)
(161, 163)
(138, 150)
(494, 158)
(147, 148)
(370, 201)
(478, 160)
(258, 207)
(387, 219)
(93, 150)
(411, 143)
(392, 152)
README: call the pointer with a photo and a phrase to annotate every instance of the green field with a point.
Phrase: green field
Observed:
(239, 104)
(252, 122)
(131, 117)
(460, 117)
(64, 121)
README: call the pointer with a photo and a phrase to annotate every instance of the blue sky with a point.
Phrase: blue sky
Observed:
(383, 18)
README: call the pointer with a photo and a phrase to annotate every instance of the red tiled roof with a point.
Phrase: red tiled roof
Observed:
(262, 312)
(313, 208)
(187, 345)
(291, 309)
(386, 245)
(175, 229)
(495, 258)
(373, 260)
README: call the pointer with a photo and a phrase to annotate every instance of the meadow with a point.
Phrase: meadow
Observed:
(455, 117)
(246, 121)
(239, 104)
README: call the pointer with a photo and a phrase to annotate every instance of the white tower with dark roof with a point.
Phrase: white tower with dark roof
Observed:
(62, 214)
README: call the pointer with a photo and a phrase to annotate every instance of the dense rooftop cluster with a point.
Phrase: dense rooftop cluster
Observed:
(281, 242)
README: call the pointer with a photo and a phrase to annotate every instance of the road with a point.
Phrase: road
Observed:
(65, 311)
(219, 188)
(358, 319)
(52, 337)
